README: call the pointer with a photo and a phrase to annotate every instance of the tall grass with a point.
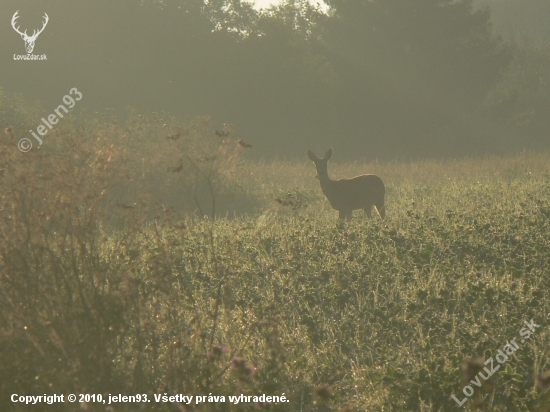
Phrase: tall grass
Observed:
(106, 289)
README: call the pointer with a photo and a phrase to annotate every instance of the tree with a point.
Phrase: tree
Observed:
(409, 66)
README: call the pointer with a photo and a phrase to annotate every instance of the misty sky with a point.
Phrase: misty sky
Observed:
(264, 3)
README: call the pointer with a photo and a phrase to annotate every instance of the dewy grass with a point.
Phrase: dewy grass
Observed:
(105, 292)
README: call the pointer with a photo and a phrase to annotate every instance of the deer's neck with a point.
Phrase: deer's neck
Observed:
(324, 179)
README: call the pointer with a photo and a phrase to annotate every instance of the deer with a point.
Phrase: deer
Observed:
(29, 40)
(347, 195)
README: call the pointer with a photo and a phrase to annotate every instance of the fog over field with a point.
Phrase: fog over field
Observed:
(227, 206)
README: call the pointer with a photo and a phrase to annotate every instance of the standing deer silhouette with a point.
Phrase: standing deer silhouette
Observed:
(346, 195)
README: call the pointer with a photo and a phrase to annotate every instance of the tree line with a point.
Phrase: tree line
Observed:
(380, 78)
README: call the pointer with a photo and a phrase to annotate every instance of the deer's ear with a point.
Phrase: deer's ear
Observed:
(328, 154)
(312, 156)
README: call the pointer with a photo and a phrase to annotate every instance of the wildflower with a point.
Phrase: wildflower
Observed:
(243, 370)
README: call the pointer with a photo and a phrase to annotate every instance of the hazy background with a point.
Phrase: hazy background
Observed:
(376, 79)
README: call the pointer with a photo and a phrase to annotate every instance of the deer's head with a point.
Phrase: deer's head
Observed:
(320, 164)
(29, 40)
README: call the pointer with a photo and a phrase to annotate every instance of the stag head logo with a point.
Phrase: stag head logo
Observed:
(29, 40)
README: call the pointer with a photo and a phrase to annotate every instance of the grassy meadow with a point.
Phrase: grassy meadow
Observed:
(112, 281)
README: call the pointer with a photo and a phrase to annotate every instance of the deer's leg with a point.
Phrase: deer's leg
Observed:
(381, 208)
(367, 210)
(344, 215)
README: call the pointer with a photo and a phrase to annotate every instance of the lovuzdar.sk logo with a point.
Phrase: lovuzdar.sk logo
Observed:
(29, 40)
